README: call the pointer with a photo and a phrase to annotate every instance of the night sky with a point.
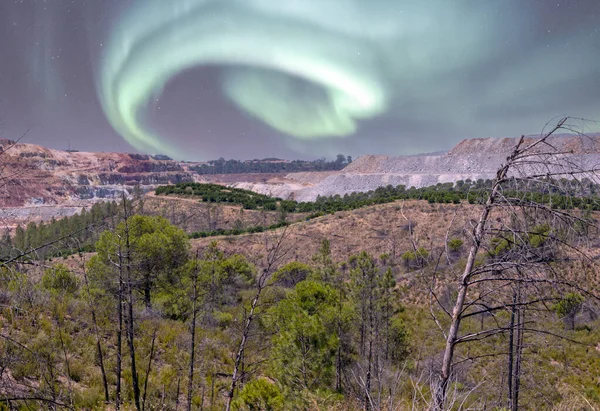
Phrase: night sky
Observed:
(201, 79)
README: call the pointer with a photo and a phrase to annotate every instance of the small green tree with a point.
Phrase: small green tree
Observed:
(326, 269)
(155, 250)
(455, 244)
(408, 257)
(260, 395)
(568, 308)
(291, 274)
(304, 346)
(422, 256)
(539, 235)
(59, 279)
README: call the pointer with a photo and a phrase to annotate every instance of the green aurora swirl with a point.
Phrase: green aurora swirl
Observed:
(308, 68)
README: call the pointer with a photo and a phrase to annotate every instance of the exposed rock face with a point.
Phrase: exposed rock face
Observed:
(34, 175)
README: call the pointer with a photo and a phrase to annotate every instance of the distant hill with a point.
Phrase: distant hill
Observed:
(472, 159)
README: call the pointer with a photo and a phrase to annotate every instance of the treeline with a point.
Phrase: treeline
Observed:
(271, 165)
(238, 231)
(214, 193)
(563, 194)
(65, 236)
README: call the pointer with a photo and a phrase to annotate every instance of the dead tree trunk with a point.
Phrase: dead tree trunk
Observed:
(515, 348)
(370, 354)
(274, 255)
(516, 379)
(511, 345)
(242, 346)
(193, 335)
(97, 334)
(120, 298)
(148, 369)
(130, 319)
(457, 312)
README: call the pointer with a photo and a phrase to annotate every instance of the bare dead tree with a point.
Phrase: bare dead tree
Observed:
(517, 352)
(193, 333)
(275, 253)
(503, 255)
(149, 367)
(96, 332)
(130, 302)
(125, 307)
(120, 301)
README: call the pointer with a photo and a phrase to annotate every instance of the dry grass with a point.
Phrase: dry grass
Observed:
(192, 215)
(377, 229)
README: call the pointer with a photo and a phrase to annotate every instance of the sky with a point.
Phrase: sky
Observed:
(202, 79)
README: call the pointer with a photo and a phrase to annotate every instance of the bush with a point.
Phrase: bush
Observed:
(568, 307)
(260, 394)
(539, 235)
(60, 279)
(408, 257)
(498, 246)
(455, 244)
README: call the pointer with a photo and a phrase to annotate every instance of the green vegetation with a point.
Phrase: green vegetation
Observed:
(78, 233)
(260, 394)
(568, 307)
(137, 298)
(571, 196)
(155, 250)
(61, 237)
(455, 244)
(166, 321)
(271, 165)
(214, 193)
(59, 279)
(238, 231)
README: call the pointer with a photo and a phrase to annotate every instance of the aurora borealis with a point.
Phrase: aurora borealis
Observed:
(244, 78)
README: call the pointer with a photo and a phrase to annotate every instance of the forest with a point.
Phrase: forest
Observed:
(271, 165)
(488, 302)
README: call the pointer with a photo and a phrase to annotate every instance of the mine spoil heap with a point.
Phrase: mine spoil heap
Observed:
(474, 159)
